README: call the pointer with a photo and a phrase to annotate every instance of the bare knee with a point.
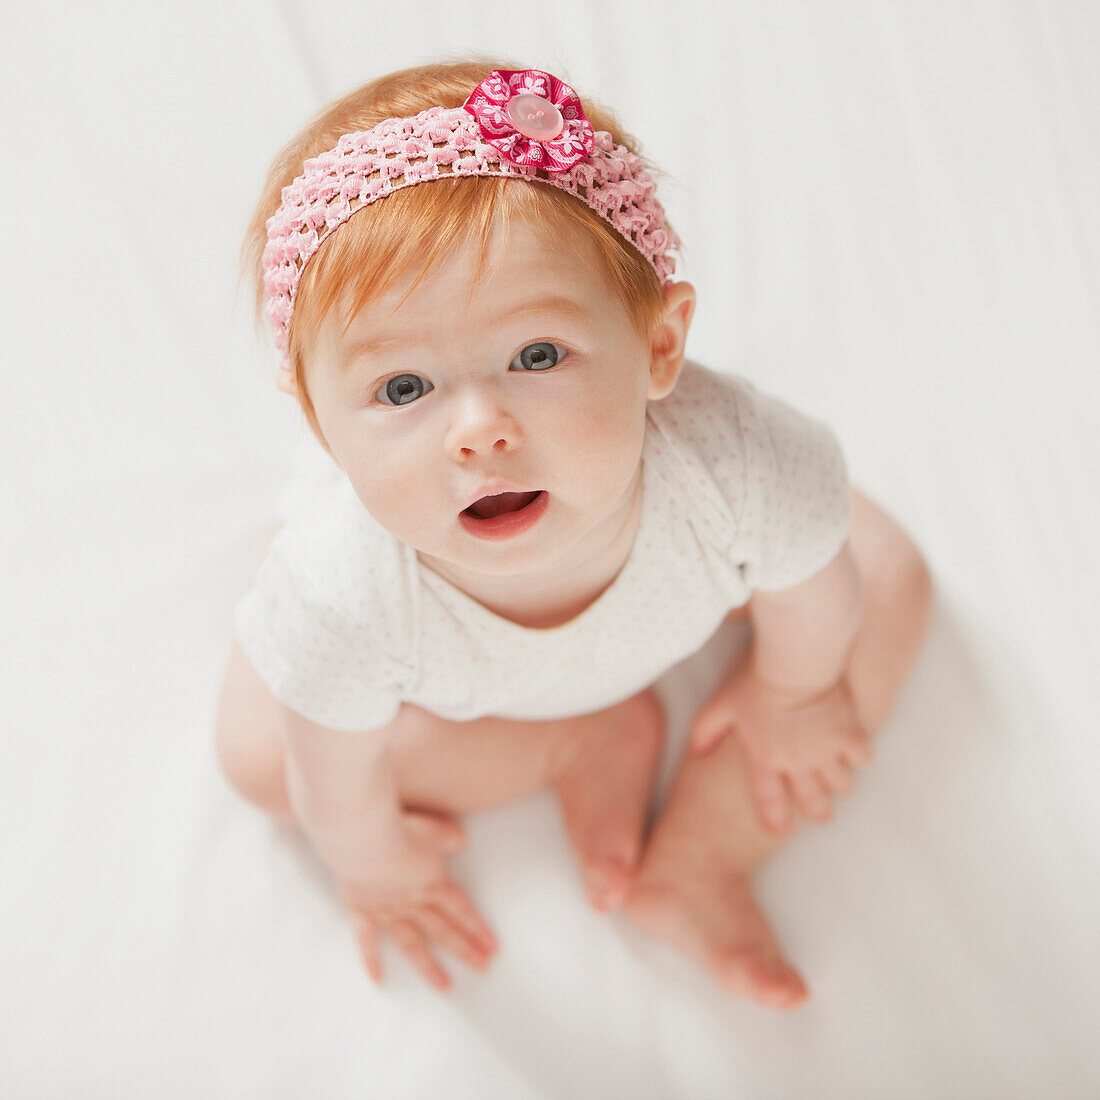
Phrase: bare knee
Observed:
(898, 597)
(255, 770)
(247, 744)
(917, 590)
(889, 561)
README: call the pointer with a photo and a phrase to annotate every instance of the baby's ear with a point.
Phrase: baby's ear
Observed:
(670, 340)
(284, 379)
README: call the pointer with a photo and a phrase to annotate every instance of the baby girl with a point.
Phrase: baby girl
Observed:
(536, 507)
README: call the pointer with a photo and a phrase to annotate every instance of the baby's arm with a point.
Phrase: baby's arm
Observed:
(803, 636)
(787, 698)
(388, 861)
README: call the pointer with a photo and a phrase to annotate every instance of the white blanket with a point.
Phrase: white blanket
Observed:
(890, 216)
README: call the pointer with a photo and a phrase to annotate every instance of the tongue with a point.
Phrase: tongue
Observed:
(497, 505)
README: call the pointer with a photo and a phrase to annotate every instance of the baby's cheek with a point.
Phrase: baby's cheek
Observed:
(604, 452)
(386, 485)
(593, 453)
(608, 429)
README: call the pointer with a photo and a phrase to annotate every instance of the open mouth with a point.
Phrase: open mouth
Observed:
(488, 507)
(504, 515)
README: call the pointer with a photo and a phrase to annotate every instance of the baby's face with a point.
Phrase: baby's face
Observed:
(539, 381)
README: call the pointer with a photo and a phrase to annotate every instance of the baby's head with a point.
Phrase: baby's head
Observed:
(477, 334)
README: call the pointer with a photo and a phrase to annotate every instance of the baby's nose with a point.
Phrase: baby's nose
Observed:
(500, 445)
(483, 427)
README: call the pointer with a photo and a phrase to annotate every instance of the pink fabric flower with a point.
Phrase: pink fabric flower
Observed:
(532, 118)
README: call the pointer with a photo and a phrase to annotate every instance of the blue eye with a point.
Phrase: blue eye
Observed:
(404, 389)
(541, 356)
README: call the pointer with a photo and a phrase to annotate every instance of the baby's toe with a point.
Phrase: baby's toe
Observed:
(766, 978)
(607, 882)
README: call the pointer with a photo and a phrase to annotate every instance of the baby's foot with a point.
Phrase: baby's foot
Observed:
(604, 774)
(714, 918)
(693, 888)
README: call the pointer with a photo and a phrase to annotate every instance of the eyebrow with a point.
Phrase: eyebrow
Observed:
(560, 305)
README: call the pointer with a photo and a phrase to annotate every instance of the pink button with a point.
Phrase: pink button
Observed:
(535, 117)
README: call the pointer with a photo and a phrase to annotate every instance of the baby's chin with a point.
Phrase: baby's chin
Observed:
(489, 560)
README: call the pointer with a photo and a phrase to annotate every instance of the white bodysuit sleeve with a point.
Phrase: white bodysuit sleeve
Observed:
(797, 504)
(313, 655)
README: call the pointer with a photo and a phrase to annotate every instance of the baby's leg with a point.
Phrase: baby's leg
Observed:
(603, 766)
(693, 884)
(605, 774)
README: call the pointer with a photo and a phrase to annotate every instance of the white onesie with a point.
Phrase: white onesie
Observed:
(740, 492)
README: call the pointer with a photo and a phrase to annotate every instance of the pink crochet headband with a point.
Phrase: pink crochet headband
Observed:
(524, 124)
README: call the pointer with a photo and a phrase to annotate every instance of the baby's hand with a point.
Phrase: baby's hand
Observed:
(810, 740)
(410, 895)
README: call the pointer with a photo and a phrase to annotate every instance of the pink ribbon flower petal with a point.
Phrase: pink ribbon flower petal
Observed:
(531, 117)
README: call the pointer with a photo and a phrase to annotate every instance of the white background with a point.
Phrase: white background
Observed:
(889, 211)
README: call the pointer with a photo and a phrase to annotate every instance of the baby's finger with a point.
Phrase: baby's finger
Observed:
(857, 748)
(451, 900)
(856, 755)
(812, 795)
(457, 942)
(837, 775)
(366, 932)
(772, 799)
(434, 828)
(410, 938)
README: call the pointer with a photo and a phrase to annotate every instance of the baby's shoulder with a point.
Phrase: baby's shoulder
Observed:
(698, 382)
(704, 414)
(347, 560)
(728, 420)
(696, 438)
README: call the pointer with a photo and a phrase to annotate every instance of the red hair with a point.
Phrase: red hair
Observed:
(413, 228)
